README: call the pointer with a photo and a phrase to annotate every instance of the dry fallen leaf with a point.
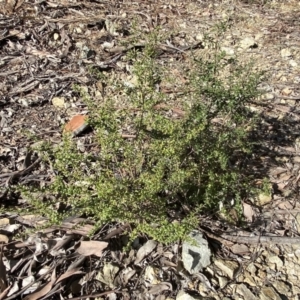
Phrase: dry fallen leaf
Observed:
(144, 251)
(126, 275)
(88, 248)
(4, 293)
(108, 274)
(159, 288)
(44, 290)
(68, 274)
(285, 205)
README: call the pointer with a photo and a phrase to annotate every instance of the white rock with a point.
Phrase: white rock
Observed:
(269, 96)
(286, 91)
(227, 50)
(200, 37)
(185, 296)
(293, 63)
(285, 52)
(248, 42)
(108, 45)
(58, 102)
(196, 257)
(55, 36)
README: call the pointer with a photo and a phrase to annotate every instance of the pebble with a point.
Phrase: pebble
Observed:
(58, 102)
(285, 52)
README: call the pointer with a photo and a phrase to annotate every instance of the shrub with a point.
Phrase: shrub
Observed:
(164, 163)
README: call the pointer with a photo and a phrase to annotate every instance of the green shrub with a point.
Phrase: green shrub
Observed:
(167, 163)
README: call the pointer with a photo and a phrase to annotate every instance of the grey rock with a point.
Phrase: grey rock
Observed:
(196, 256)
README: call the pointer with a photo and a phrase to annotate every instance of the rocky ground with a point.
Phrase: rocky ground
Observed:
(45, 48)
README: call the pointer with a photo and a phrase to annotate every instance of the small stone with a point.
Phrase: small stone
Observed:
(248, 42)
(285, 52)
(291, 102)
(251, 268)
(268, 293)
(228, 267)
(283, 79)
(182, 295)
(289, 265)
(297, 270)
(76, 125)
(282, 287)
(261, 275)
(277, 261)
(4, 221)
(286, 91)
(79, 45)
(55, 36)
(248, 278)
(131, 81)
(222, 281)
(293, 63)
(228, 51)
(269, 96)
(108, 45)
(200, 37)
(203, 289)
(264, 199)
(98, 94)
(4, 239)
(151, 275)
(58, 102)
(24, 102)
(244, 291)
(295, 289)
